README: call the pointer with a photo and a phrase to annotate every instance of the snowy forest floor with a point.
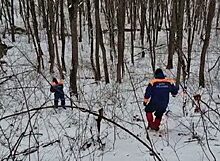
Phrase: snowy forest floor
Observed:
(58, 134)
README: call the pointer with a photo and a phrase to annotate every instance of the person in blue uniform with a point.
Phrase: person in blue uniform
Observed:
(156, 98)
(57, 89)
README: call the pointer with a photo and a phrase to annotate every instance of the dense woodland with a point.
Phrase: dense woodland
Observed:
(143, 20)
(116, 29)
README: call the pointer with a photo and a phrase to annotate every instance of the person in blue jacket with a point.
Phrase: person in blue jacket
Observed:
(57, 89)
(156, 98)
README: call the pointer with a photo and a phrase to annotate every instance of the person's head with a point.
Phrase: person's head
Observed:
(159, 73)
(55, 80)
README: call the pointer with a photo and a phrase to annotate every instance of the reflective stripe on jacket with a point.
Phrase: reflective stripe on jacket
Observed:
(157, 92)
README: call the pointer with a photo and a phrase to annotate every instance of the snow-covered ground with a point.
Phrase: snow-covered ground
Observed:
(58, 134)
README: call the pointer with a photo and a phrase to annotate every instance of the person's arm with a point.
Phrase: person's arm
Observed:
(52, 87)
(147, 94)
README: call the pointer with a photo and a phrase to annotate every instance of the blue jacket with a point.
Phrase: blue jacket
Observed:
(158, 90)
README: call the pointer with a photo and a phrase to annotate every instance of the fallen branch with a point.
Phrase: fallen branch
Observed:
(93, 113)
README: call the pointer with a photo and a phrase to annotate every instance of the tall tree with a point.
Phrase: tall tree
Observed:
(97, 41)
(143, 24)
(179, 42)
(110, 17)
(190, 35)
(91, 39)
(133, 19)
(62, 31)
(121, 38)
(192, 15)
(12, 22)
(211, 14)
(218, 15)
(49, 24)
(153, 27)
(42, 6)
(55, 37)
(172, 31)
(73, 10)
(36, 38)
(80, 21)
(9, 11)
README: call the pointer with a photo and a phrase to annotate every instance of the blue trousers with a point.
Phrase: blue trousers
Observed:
(57, 98)
(159, 111)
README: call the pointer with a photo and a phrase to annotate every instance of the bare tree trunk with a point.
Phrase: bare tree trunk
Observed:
(55, 37)
(90, 29)
(152, 30)
(101, 43)
(110, 16)
(121, 38)
(25, 15)
(1, 10)
(191, 28)
(10, 12)
(27, 18)
(42, 9)
(73, 10)
(62, 31)
(199, 4)
(35, 27)
(211, 14)
(180, 19)
(190, 35)
(132, 8)
(49, 28)
(142, 24)
(12, 22)
(105, 63)
(172, 31)
(97, 42)
(80, 22)
(218, 14)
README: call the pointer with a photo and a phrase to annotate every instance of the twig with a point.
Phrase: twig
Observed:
(214, 64)
(95, 114)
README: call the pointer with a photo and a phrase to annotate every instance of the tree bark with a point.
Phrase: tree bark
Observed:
(142, 24)
(132, 18)
(73, 10)
(56, 37)
(36, 36)
(12, 22)
(180, 20)
(10, 17)
(121, 39)
(172, 31)
(218, 14)
(110, 17)
(211, 14)
(97, 42)
(49, 28)
(91, 40)
(42, 6)
(62, 31)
